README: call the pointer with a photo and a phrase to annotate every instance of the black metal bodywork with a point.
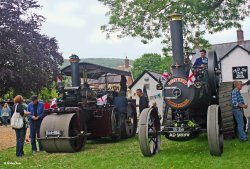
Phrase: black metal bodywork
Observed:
(191, 105)
(78, 116)
(188, 104)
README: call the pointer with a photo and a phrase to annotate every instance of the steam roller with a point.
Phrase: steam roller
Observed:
(84, 113)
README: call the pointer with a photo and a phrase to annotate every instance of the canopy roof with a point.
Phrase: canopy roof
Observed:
(94, 71)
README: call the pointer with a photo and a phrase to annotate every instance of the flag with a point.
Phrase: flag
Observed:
(165, 76)
(58, 79)
(191, 78)
(53, 103)
(102, 100)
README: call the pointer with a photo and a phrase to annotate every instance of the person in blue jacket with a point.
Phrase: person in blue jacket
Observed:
(121, 103)
(201, 61)
(35, 118)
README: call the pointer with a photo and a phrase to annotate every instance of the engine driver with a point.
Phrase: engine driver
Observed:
(201, 61)
(200, 64)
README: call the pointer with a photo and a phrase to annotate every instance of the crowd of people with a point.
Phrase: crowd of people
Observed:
(6, 110)
(32, 114)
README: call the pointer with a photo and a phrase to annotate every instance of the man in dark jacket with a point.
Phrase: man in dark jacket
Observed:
(201, 61)
(143, 101)
(35, 118)
(121, 103)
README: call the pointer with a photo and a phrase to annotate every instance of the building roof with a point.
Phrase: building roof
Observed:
(223, 49)
(237, 46)
(154, 75)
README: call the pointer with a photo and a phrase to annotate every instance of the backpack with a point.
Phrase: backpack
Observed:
(16, 120)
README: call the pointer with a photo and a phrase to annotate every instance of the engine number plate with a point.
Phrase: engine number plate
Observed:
(53, 133)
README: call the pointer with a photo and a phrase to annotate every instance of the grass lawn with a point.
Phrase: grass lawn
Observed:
(126, 154)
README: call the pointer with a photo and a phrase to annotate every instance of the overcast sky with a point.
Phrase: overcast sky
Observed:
(76, 26)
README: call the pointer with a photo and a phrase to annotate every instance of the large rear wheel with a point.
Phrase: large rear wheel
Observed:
(149, 127)
(129, 123)
(225, 100)
(214, 130)
(116, 131)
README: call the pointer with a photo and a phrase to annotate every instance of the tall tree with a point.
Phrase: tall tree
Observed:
(28, 60)
(149, 18)
(151, 61)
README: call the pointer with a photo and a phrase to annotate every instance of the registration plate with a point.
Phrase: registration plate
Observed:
(53, 133)
(179, 135)
(179, 129)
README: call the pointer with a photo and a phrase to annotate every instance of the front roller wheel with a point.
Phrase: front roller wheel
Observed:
(60, 133)
(149, 127)
(214, 130)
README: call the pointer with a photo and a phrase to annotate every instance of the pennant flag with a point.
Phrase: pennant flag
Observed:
(53, 103)
(58, 80)
(165, 76)
(102, 100)
(191, 78)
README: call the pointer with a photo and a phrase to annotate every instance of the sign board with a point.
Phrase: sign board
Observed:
(240, 72)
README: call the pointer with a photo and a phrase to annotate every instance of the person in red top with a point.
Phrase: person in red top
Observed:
(46, 105)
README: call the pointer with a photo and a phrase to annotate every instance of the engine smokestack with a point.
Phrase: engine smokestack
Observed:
(75, 72)
(177, 44)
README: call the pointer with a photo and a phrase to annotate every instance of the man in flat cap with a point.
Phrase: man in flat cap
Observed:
(35, 118)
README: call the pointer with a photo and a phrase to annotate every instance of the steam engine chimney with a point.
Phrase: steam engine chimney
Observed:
(75, 73)
(240, 36)
(177, 44)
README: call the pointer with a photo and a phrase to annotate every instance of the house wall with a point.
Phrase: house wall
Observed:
(146, 79)
(238, 57)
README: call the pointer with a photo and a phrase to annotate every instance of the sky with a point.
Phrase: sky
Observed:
(76, 26)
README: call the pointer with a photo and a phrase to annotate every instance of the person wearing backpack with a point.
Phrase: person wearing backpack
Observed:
(21, 132)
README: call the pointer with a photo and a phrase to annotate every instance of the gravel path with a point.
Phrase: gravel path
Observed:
(8, 137)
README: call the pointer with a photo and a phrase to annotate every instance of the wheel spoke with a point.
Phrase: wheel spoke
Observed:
(151, 139)
(151, 127)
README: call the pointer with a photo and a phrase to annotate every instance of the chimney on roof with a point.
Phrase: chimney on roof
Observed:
(126, 63)
(240, 36)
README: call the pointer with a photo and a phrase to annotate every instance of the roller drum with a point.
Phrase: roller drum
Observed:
(70, 139)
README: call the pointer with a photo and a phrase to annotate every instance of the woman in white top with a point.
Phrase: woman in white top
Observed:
(5, 113)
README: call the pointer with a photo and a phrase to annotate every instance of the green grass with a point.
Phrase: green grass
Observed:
(126, 154)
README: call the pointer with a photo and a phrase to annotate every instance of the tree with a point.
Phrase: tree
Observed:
(48, 93)
(152, 62)
(149, 18)
(28, 60)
